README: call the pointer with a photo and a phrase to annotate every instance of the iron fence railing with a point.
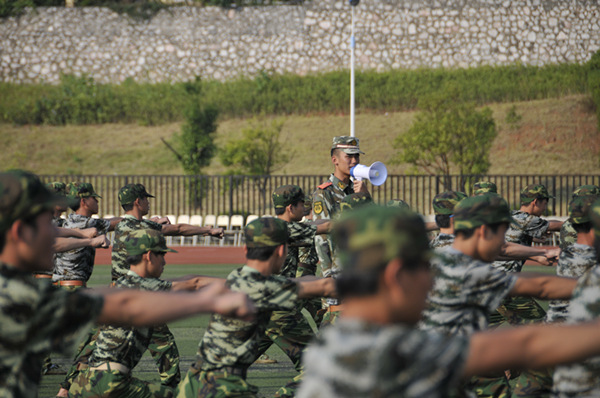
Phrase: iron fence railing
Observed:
(245, 195)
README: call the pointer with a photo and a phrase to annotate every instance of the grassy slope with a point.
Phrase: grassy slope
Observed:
(555, 136)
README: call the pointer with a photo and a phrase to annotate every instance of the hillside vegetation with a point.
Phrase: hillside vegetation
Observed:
(554, 136)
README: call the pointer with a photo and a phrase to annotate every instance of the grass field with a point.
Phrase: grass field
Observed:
(554, 136)
(188, 332)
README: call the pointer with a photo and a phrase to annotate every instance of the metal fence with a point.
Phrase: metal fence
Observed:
(245, 195)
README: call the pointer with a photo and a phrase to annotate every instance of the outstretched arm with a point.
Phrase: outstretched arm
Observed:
(531, 347)
(194, 282)
(66, 244)
(113, 222)
(311, 286)
(189, 230)
(143, 308)
(77, 233)
(543, 286)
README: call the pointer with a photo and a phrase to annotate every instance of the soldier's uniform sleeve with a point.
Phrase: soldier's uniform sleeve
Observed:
(308, 261)
(321, 210)
(536, 227)
(301, 234)
(488, 286)
(101, 224)
(270, 293)
(568, 235)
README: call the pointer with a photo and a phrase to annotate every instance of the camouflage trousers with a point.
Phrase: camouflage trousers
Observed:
(489, 387)
(215, 384)
(114, 384)
(313, 305)
(518, 311)
(291, 332)
(329, 318)
(534, 384)
(162, 348)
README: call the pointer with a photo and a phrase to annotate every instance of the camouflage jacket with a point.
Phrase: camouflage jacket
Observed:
(78, 264)
(573, 262)
(464, 294)
(581, 379)
(119, 266)
(441, 240)
(57, 222)
(233, 342)
(301, 234)
(357, 359)
(568, 235)
(36, 319)
(126, 345)
(530, 227)
(326, 203)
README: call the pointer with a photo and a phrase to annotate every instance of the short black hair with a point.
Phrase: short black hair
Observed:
(584, 227)
(133, 260)
(262, 253)
(127, 207)
(335, 151)
(279, 211)
(467, 233)
(75, 205)
(442, 220)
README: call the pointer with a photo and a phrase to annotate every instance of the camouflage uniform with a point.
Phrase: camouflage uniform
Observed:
(229, 346)
(467, 291)
(574, 260)
(443, 205)
(36, 318)
(523, 310)
(399, 203)
(124, 346)
(78, 264)
(356, 358)
(441, 240)
(162, 346)
(568, 235)
(483, 187)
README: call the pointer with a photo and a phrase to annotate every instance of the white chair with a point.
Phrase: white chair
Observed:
(197, 221)
(236, 224)
(183, 219)
(250, 218)
(210, 220)
(223, 222)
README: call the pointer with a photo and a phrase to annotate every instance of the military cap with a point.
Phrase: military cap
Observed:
(308, 202)
(399, 203)
(285, 195)
(266, 232)
(579, 209)
(347, 144)
(81, 190)
(130, 192)
(533, 192)
(355, 200)
(594, 214)
(23, 195)
(587, 190)
(481, 187)
(444, 203)
(371, 236)
(59, 188)
(141, 241)
(481, 210)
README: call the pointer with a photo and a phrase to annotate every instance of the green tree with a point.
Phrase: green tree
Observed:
(258, 153)
(448, 136)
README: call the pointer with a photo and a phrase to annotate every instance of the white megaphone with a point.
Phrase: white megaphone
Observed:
(376, 173)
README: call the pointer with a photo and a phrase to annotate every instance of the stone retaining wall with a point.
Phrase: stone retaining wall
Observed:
(214, 43)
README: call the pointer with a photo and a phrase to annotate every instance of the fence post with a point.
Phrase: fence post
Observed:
(230, 196)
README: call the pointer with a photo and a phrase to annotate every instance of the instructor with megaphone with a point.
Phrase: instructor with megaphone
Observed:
(345, 155)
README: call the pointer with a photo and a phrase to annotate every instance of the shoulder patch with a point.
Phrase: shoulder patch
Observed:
(325, 185)
(318, 207)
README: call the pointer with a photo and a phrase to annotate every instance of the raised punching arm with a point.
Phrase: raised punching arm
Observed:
(543, 286)
(66, 244)
(311, 286)
(194, 282)
(190, 230)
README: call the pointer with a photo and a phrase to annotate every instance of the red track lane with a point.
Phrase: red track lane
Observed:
(191, 255)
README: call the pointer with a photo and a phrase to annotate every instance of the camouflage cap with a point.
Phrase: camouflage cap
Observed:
(481, 187)
(443, 203)
(355, 200)
(533, 192)
(141, 241)
(266, 232)
(587, 190)
(348, 144)
(59, 188)
(476, 211)
(579, 209)
(371, 236)
(308, 202)
(399, 203)
(130, 192)
(22, 195)
(285, 195)
(594, 214)
(81, 190)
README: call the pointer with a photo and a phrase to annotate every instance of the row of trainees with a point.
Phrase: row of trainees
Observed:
(381, 249)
